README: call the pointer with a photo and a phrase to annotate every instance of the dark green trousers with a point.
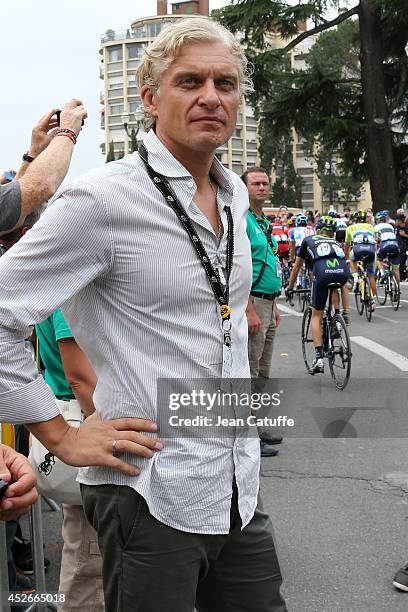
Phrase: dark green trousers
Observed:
(150, 567)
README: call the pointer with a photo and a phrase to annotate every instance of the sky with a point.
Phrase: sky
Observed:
(50, 54)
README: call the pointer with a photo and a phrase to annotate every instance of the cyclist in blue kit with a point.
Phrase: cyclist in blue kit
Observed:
(326, 258)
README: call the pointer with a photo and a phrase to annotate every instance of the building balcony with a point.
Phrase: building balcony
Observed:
(111, 35)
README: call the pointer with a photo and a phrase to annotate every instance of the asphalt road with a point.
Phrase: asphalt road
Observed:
(339, 506)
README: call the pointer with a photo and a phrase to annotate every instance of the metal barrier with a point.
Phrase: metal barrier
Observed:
(36, 531)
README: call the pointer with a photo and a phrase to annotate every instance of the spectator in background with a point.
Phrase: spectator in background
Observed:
(72, 380)
(44, 165)
(370, 216)
(401, 230)
(127, 296)
(16, 470)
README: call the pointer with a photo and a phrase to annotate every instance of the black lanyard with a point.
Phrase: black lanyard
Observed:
(220, 291)
(267, 232)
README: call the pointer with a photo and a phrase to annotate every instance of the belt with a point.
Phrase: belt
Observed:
(265, 296)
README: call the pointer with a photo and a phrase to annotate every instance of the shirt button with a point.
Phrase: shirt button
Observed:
(190, 184)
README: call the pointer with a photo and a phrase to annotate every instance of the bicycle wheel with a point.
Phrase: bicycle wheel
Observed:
(339, 354)
(395, 293)
(308, 350)
(366, 292)
(359, 299)
(381, 289)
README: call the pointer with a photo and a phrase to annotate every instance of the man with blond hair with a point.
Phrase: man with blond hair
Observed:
(186, 531)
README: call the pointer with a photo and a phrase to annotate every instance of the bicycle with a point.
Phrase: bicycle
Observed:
(286, 268)
(336, 342)
(305, 289)
(387, 285)
(363, 294)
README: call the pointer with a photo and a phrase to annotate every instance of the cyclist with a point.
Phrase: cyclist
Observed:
(360, 244)
(340, 235)
(281, 237)
(327, 257)
(298, 233)
(387, 244)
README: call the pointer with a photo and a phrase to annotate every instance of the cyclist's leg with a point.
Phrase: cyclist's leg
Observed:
(395, 259)
(336, 300)
(318, 301)
(371, 271)
(396, 268)
(345, 298)
(354, 257)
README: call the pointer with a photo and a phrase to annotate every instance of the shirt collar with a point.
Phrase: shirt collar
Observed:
(163, 162)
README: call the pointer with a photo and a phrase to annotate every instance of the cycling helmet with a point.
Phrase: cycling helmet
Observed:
(327, 223)
(360, 216)
(290, 222)
(381, 215)
(301, 220)
(332, 213)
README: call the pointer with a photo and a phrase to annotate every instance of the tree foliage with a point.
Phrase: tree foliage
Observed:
(111, 153)
(328, 102)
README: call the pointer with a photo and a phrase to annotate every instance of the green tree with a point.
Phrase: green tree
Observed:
(121, 154)
(111, 153)
(357, 106)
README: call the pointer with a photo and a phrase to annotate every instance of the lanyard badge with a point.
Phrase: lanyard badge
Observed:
(219, 283)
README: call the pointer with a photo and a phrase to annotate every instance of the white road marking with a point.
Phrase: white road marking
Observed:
(290, 311)
(377, 316)
(397, 360)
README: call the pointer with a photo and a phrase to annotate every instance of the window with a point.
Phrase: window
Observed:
(115, 81)
(115, 66)
(133, 106)
(115, 53)
(307, 187)
(153, 29)
(132, 65)
(115, 120)
(135, 50)
(116, 92)
(133, 91)
(116, 109)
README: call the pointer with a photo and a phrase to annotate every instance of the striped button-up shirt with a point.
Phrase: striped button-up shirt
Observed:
(115, 257)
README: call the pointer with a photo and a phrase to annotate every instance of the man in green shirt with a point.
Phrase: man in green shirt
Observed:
(262, 310)
(72, 379)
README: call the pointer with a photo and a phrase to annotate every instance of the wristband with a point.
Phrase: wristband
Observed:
(67, 132)
(67, 135)
(27, 157)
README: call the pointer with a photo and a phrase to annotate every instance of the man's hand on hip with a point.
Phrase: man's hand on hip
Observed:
(97, 442)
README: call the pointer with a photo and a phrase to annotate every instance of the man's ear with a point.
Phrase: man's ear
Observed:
(149, 99)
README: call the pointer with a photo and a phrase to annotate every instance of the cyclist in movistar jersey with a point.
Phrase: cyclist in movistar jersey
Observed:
(327, 258)
(387, 244)
(340, 235)
(360, 244)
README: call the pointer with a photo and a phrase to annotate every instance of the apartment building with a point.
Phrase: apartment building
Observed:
(120, 54)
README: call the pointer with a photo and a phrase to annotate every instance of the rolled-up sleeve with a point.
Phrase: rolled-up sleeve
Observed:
(67, 248)
(10, 206)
